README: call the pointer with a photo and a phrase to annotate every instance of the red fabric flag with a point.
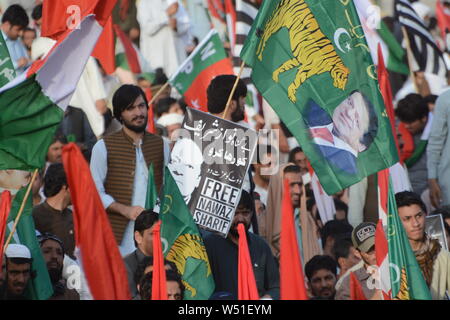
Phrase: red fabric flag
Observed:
(60, 15)
(150, 114)
(292, 280)
(356, 291)
(5, 208)
(130, 52)
(102, 263)
(247, 289)
(105, 50)
(231, 22)
(159, 285)
(217, 9)
(386, 92)
(443, 18)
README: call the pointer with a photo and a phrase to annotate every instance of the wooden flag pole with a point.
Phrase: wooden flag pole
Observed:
(233, 90)
(408, 55)
(22, 206)
(159, 92)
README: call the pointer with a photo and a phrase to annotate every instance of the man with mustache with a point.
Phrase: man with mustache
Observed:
(53, 253)
(17, 272)
(120, 163)
(321, 273)
(223, 256)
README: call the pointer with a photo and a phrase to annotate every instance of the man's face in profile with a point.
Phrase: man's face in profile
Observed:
(351, 121)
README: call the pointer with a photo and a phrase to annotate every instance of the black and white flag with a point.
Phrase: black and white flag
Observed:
(427, 55)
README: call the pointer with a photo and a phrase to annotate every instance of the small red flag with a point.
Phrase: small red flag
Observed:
(159, 285)
(386, 92)
(247, 289)
(5, 208)
(356, 291)
(292, 280)
(150, 114)
(102, 263)
(105, 50)
(443, 18)
(130, 52)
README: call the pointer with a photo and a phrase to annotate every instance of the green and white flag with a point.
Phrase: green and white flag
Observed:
(39, 288)
(7, 73)
(33, 104)
(183, 244)
(316, 71)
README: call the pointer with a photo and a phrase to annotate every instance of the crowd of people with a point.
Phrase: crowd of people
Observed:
(108, 118)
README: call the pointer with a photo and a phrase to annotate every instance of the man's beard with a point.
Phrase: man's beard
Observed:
(55, 274)
(137, 129)
(234, 229)
(238, 114)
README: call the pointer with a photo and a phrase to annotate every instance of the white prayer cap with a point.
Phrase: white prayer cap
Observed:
(421, 9)
(40, 47)
(170, 119)
(17, 251)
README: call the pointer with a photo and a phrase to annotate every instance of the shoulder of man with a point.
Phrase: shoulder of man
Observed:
(356, 267)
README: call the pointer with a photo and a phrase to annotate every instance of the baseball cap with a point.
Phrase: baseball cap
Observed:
(17, 251)
(363, 236)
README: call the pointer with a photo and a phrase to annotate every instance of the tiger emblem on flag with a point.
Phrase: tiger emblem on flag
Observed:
(313, 52)
(188, 246)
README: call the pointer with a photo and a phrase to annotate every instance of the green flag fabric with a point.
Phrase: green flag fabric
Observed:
(7, 72)
(183, 244)
(407, 281)
(152, 195)
(39, 288)
(312, 64)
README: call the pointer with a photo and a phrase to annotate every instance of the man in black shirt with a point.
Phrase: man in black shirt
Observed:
(223, 256)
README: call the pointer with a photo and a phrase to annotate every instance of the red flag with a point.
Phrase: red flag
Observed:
(5, 208)
(443, 18)
(247, 289)
(356, 291)
(159, 285)
(217, 9)
(130, 52)
(60, 15)
(105, 50)
(386, 92)
(292, 280)
(231, 22)
(150, 114)
(102, 263)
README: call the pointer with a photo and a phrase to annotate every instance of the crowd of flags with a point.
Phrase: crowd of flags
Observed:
(28, 122)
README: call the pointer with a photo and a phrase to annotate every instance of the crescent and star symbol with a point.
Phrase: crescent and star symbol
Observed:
(337, 36)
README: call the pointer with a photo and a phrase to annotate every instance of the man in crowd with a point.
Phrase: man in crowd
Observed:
(54, 153)
(120, 164)
(438, 153)
(17, 272)
(363, 239)
(414, 114)
(143, 237)
(166, 106)
(265, 159)
(53, 253)
(53, 215)
(333, 230)
(14, 21)
(345, 255)
(175, 287)
(298, 157)
(217, 93)
(433, 260)
(223, 256)
(321, 274)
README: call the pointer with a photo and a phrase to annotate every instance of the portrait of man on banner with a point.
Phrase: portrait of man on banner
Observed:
(341, 137)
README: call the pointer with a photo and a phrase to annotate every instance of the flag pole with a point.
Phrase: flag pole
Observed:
(22, 206)
(233, 90)
(408, 55)
(159, 92)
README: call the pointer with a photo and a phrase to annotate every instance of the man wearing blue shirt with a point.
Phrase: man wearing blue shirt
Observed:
(14, 21)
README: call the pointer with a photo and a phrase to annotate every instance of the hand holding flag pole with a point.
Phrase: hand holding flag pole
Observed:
(22, 206)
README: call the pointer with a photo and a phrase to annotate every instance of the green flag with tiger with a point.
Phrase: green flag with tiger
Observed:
(311, 62)
(182, 243)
